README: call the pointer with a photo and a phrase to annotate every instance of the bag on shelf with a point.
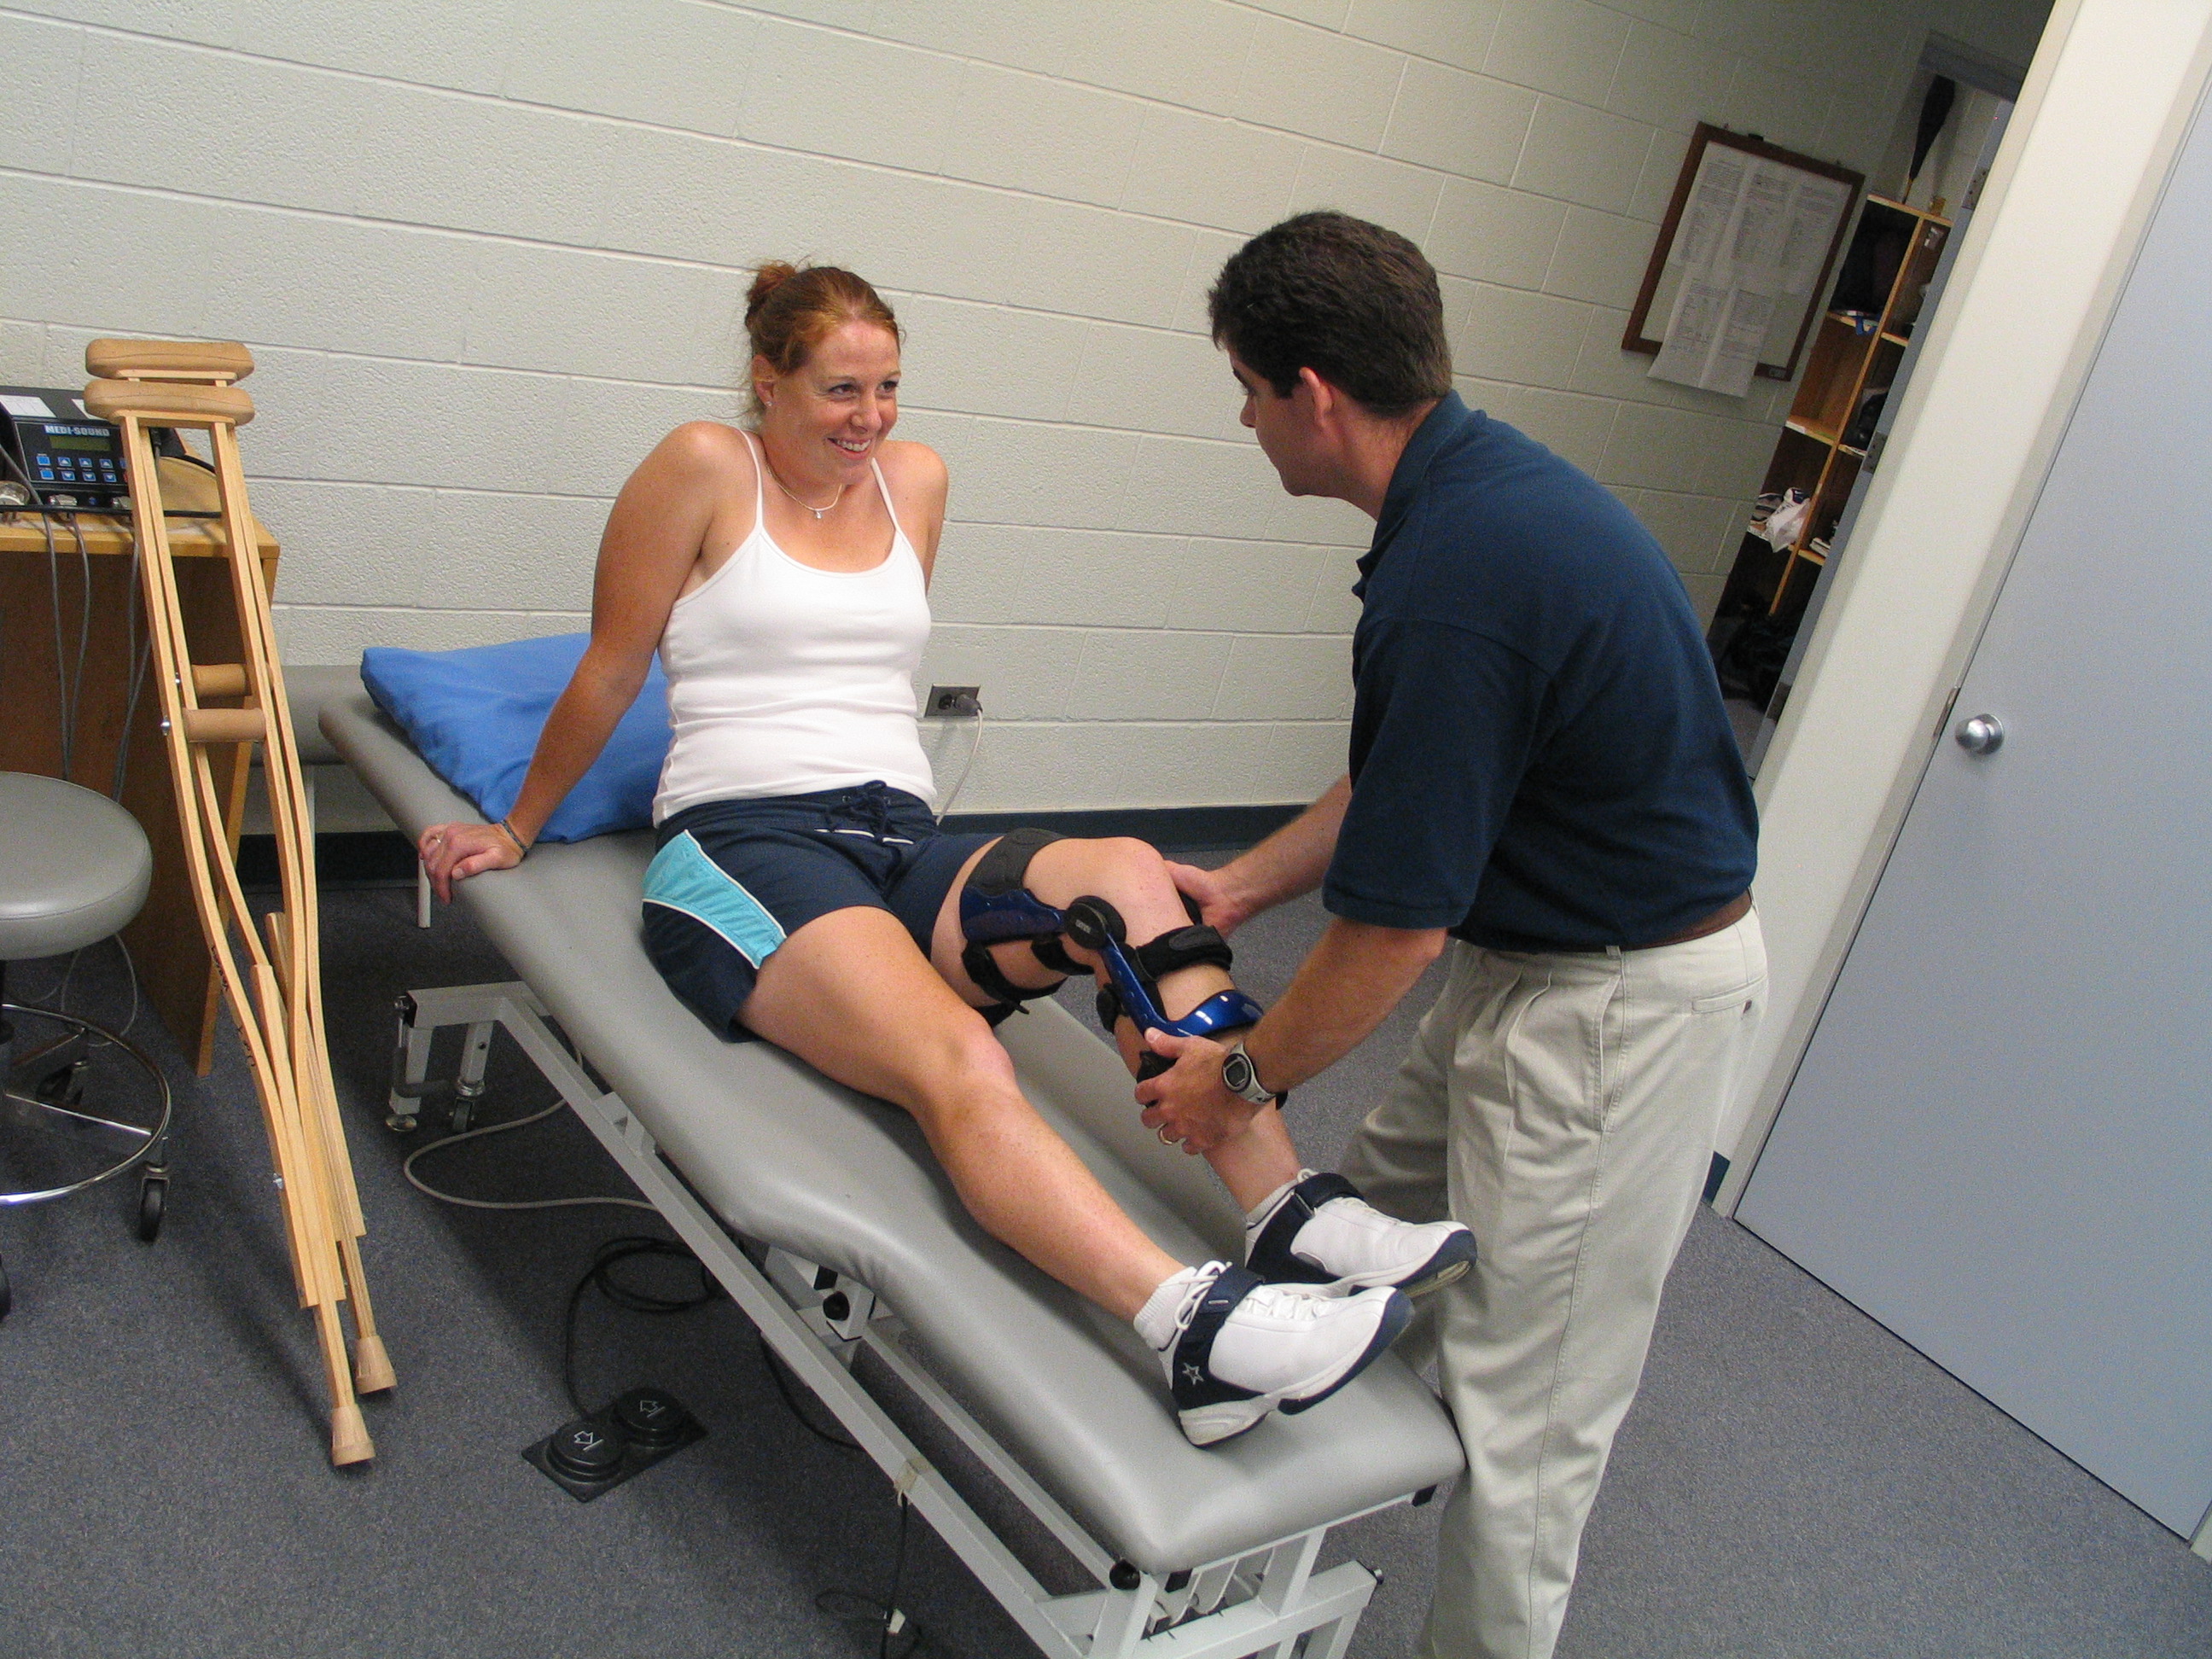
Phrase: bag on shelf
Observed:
(1783, 522)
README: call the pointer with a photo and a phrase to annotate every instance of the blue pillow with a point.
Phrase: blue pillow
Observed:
(474, 716)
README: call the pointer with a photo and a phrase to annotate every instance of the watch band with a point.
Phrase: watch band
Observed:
(1252, 1090)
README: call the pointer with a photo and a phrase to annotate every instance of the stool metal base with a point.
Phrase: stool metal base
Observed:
(137, 1144)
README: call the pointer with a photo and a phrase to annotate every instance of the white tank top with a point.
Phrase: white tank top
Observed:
(783, 679)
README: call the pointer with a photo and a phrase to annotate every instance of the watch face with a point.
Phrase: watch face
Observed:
(1236, 1073)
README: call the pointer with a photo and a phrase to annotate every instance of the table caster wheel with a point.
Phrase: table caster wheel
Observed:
(399, 1125)
(153, 1201)
(465, 1113)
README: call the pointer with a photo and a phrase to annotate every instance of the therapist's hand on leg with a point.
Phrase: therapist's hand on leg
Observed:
(1189, 1104)
(454, 852)
(1218, 906)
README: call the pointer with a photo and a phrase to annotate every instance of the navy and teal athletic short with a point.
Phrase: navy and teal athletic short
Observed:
(734, 879)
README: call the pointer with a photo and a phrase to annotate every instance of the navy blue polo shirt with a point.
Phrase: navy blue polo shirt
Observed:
(1540, 757)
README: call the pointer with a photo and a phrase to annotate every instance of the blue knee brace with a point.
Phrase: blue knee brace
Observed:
(996, 908)
(1097, 926)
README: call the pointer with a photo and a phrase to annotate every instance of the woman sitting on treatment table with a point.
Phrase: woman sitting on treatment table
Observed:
(804, 893)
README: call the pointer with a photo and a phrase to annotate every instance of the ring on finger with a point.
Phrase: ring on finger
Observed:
(1167, 1140)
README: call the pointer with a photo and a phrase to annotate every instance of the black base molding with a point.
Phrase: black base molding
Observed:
(354, 858)
(1186, 827)
(385, 858)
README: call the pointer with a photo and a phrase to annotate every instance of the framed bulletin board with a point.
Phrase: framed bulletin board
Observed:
(1743, 257)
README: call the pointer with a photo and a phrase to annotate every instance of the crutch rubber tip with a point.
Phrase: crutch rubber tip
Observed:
(372, 1366)
(350, 1441)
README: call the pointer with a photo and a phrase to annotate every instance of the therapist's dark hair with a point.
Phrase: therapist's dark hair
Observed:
(1356, 303)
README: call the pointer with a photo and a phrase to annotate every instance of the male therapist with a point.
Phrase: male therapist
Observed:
(1543, 787)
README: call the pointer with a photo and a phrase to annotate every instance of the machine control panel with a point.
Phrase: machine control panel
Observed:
(55, 458)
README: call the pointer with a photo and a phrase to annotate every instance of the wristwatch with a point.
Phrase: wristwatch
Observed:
(1242, 1079)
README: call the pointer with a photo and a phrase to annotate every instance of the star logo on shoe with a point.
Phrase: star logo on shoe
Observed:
(1192, 1376)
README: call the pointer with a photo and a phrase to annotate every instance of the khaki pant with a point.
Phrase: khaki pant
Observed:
(1564, 1107)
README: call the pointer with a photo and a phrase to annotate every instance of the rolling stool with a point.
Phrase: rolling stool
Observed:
(74, 868)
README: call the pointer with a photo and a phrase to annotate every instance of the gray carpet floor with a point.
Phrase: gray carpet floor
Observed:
(1792, 1482)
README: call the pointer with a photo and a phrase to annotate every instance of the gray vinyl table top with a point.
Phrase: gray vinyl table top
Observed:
(787, 1157)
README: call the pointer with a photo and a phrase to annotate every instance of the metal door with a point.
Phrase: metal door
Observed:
(2000, 1141)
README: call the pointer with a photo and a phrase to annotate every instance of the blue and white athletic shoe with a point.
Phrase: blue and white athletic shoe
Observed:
(1236, 1349)
(1318, 1230)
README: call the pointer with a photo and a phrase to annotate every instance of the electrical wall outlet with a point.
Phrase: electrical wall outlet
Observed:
(953, 703)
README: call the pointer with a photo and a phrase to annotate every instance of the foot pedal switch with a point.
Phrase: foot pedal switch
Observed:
(596, 1454)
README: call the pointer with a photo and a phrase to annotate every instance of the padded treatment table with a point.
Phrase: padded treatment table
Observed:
(1196, 1552)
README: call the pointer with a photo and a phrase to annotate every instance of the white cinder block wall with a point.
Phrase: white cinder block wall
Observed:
(487, 253)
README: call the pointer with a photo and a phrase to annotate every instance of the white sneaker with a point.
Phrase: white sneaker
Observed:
(1235, 1349)
(1318, 1230)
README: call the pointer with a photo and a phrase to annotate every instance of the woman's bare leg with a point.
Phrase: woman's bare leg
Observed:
(849, 994)
(1131, 875)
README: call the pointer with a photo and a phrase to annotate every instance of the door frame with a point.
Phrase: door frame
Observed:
(2108, 100)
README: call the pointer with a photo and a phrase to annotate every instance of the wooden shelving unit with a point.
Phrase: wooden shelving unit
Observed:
(1856, 350)
(1855, 354)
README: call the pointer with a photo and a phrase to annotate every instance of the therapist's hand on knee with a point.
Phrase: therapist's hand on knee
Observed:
(1189, 1104)
(454, 852)
(1218, 906)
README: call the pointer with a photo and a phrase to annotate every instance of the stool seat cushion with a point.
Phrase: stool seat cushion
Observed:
(74, 866)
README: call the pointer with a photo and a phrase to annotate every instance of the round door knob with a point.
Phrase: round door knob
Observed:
(1980, 734)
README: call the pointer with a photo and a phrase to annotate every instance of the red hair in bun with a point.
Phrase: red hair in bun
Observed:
(791, 309)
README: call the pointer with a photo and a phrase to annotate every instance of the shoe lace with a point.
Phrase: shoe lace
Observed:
(1193, 1293)
(1294, 1302)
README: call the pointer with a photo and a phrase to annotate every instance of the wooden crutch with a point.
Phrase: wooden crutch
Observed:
(275, 992)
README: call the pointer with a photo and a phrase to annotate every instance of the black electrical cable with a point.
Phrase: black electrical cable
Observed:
(139, 643)
(61, 657)
(892, 1617)
(600, 1273)
(888, 1619)
(84, 622)
(791, 1402)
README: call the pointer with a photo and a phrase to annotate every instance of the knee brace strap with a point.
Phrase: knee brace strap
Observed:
(1186, 947)
(995, 909)
(995, 906)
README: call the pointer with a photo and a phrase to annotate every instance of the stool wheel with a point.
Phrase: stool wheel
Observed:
(153, 1201)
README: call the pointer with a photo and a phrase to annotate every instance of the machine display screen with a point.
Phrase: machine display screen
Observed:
(97, 446)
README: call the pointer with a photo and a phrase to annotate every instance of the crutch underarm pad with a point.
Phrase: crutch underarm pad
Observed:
(197, 360)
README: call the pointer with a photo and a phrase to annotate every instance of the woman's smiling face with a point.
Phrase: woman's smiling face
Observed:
(829, 414)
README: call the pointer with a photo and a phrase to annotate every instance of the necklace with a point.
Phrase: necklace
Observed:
(819, 512)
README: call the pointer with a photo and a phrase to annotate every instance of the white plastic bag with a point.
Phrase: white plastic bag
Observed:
(1786, 523)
